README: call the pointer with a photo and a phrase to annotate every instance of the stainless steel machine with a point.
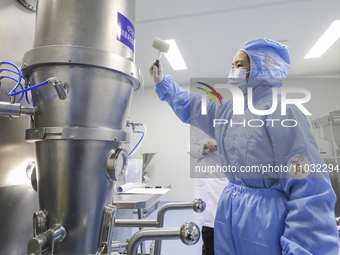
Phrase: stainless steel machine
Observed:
(79, 127)
(82, 74)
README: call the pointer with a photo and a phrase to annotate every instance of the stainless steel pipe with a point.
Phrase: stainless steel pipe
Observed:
(189, 233)
(136, 223)
(151, 234)
(15, 110)
(198, 205)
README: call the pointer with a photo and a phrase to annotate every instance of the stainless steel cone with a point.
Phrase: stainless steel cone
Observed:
(147, 157)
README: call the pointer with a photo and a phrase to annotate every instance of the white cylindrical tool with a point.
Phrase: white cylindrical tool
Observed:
(162, 46)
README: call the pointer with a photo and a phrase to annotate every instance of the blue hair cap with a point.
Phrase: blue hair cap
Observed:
(268, 60)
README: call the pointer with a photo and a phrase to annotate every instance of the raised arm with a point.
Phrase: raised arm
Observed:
(186, 106)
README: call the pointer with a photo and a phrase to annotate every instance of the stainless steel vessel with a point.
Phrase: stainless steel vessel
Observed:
(80, 117)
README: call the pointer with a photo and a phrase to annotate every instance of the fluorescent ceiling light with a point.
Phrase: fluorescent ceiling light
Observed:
(326, 40)
(174, 56)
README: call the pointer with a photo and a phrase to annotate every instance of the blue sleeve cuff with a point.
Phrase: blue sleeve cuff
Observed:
(163, 87)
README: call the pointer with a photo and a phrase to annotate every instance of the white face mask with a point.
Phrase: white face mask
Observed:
(237, 77)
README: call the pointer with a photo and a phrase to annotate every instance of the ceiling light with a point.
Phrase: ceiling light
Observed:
(174, 56)
(326, 40)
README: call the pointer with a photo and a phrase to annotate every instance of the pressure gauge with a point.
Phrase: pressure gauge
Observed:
(117, 164)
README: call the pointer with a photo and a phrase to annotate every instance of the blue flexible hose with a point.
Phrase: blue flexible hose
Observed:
(8, 70)
(138, 142)
(19, 73)
(8, 77)
(27, 100)
(22, 95)
(30, 88)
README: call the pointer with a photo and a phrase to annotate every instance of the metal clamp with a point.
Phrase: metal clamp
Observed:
(107, 230)
(59, 87)
(134, 124)
(117, 164)
(45, 241)
(61, 54)
(39, 223)
(76, 133)
(116, 246)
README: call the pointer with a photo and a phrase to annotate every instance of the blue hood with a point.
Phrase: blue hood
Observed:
(269, 62)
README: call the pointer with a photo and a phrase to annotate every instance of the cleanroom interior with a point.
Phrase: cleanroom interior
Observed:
(207, 33)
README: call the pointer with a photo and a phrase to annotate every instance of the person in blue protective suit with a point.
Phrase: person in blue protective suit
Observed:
(273, 204)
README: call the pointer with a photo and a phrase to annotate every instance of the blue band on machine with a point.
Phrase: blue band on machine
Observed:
(127, 31)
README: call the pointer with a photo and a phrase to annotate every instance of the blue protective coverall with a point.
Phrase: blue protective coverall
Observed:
(264, 212)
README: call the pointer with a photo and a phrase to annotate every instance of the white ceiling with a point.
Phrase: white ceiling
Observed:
(209, 33)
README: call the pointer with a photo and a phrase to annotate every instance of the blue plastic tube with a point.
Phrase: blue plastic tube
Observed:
(138, 142)
(8, 70)
(30, 88)
(8, 77)
(19, 73)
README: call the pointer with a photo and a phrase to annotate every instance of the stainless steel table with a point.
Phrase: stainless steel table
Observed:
(135, 201)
